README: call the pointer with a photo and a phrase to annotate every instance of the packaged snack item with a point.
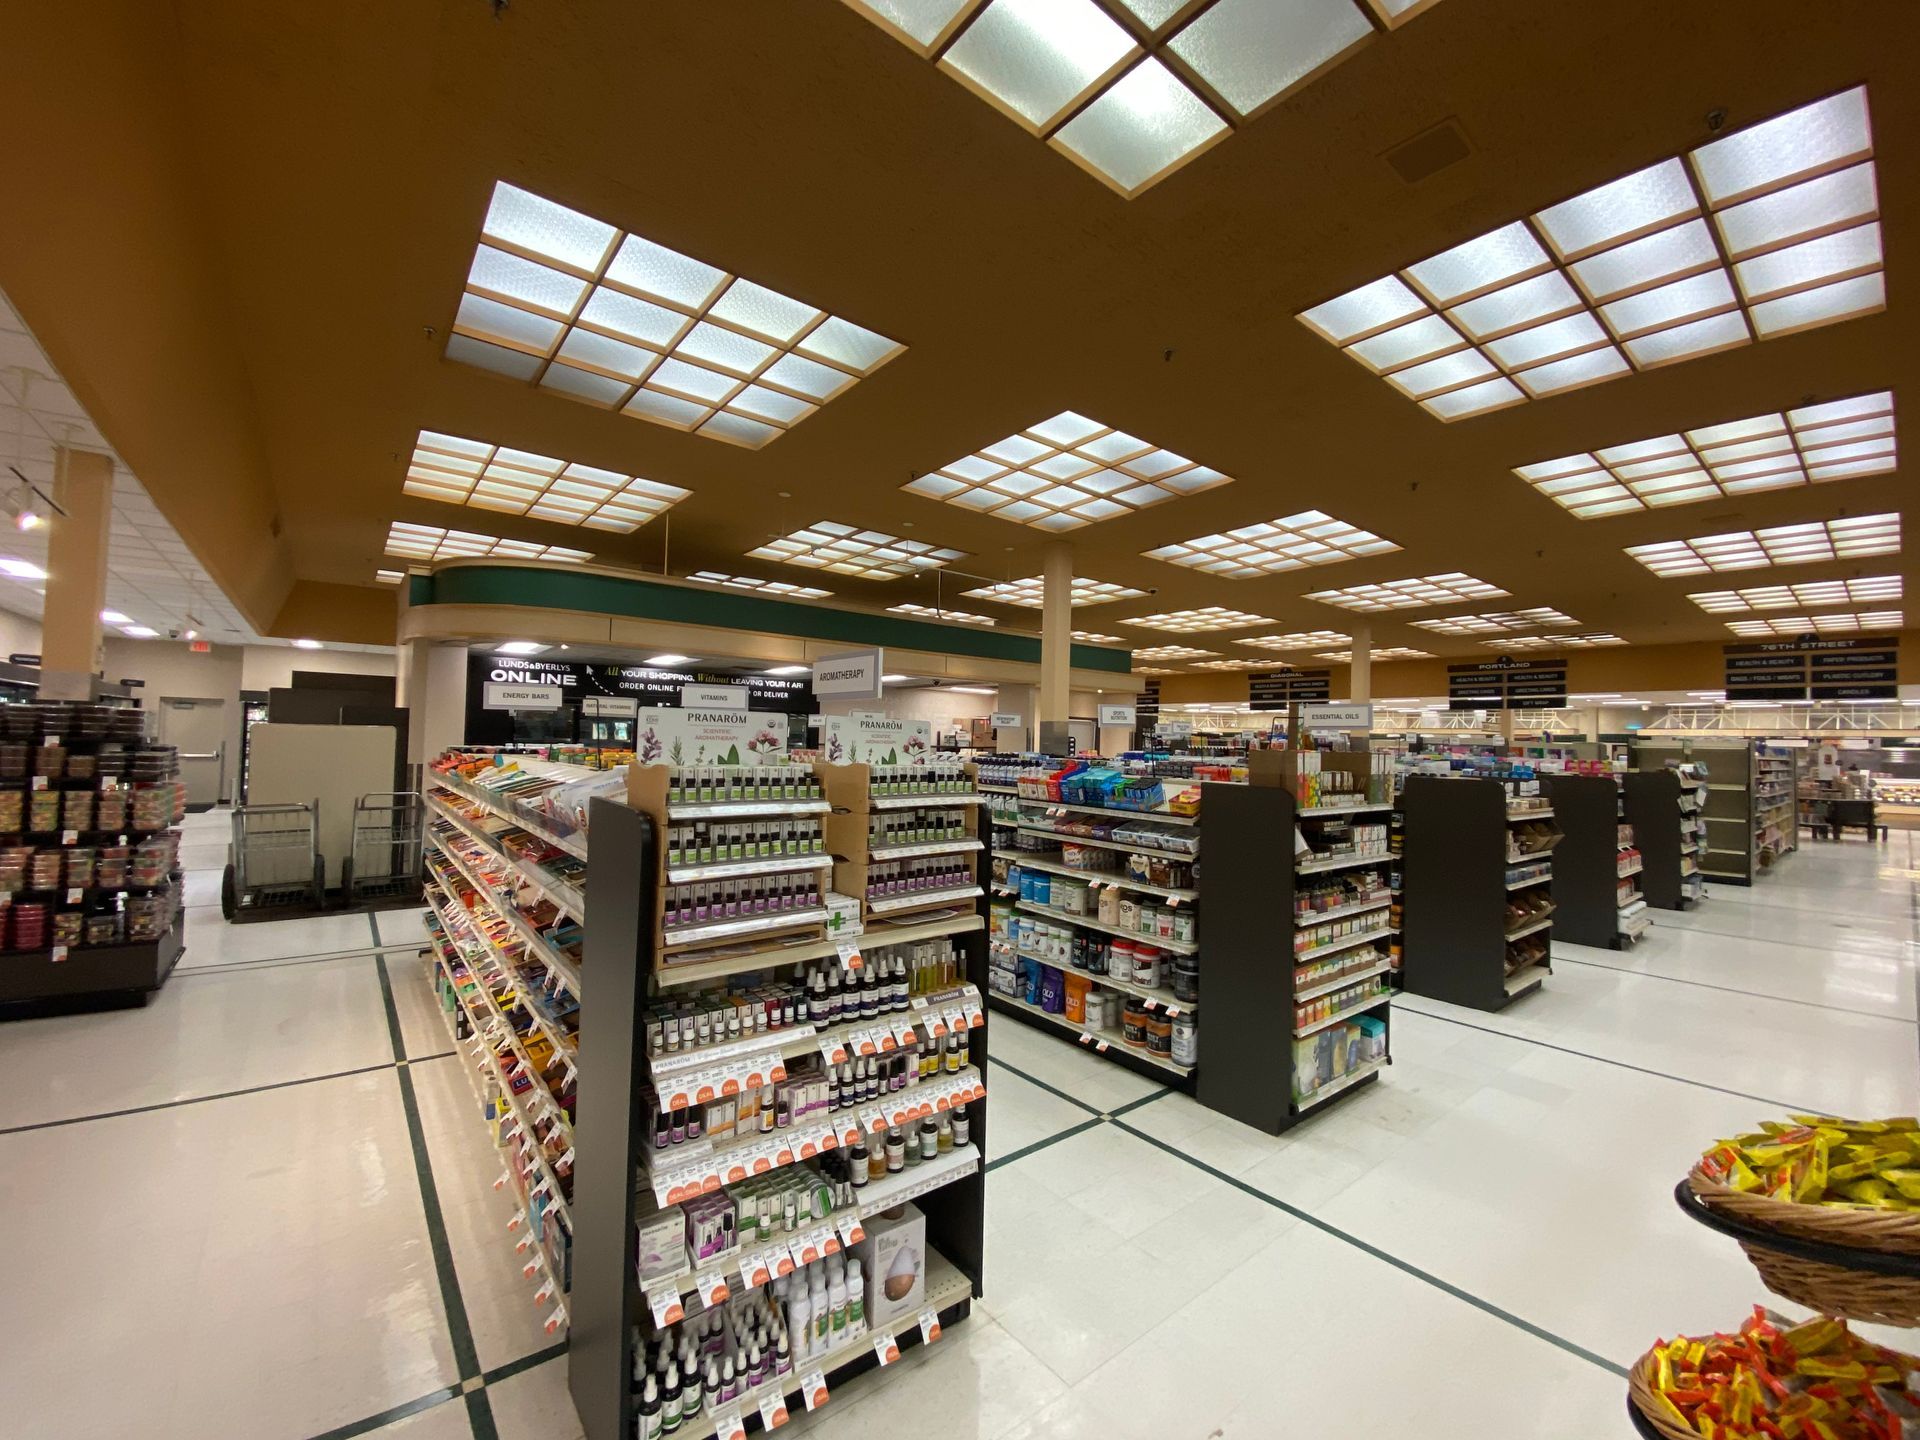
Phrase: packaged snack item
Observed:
(1822, 1160)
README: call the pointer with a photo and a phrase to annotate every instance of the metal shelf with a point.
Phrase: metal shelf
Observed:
(1112, 811)
(1320, 917)
(1066, 838)
(1344, 1083)
(1317, 1026)
(1323, 811)
(1346, 942)
(914, 802)
(1053, 867)
(1095, 1037)
(691, 972)
(575, 846)
(1513, 815)
(931, 847)
(1151, 994)
(561, 968)
(1545, 879)
(745, 809)
(925, 900)
(1529, 928)
(1178, 947)
(1320, 867)
(679, 937)
(1327, 987)
(1525, 980)
(763, 865)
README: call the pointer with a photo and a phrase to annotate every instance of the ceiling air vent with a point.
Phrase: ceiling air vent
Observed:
(1429, 152)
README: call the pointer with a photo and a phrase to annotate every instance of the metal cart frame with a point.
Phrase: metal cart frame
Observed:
(384, 861)
(274, 861)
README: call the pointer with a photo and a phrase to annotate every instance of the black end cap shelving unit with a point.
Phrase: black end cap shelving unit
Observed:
(1454, 870)
(90, 977)
(1653, 809)
(1586, 862)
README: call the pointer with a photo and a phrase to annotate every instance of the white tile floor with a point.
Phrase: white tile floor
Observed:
(220, 1227)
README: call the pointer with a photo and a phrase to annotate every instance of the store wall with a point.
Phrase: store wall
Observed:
(271, 667)
(19, 634)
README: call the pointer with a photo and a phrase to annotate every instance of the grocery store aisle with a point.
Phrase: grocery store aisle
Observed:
(270, 1186)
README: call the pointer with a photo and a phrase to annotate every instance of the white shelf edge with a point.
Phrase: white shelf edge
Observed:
(1053, 867)
(1178, 947)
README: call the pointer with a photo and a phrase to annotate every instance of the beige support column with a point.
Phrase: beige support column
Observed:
(1017, 700)
(1360, 680)
(439, 714)
(1056, 646)
(70, 655)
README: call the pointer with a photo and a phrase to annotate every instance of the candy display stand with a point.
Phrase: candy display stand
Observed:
(1852, 1264)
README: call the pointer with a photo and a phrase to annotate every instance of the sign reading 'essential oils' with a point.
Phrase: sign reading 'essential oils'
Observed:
(1277, 689)
(1508, 683)
(1814, 667)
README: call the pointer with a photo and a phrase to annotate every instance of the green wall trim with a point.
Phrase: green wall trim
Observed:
(643, 599)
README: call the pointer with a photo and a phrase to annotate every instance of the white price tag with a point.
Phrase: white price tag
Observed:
(929, 1326)
(773, 1411)
(813, 1389)
(75, 895)
(849, 954)
(727, 1424)
(666, 1307)
(850, 1230)
(556, 1318)
(754, 1270)
(69, 837)
(713, 1289)
(885, 1349)
(39, 782)
(58, 954)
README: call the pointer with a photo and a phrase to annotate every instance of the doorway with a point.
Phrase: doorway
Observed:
(197, 729)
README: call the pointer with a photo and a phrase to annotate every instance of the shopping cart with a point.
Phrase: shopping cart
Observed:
(274, 861)
(384, 861)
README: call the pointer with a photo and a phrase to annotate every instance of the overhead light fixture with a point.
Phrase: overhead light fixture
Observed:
(389, 577)
(1838, 440)
(970, 690)
(657, 661)
(1390, 652)
(764, 587)
(893, 679)
(1494, 624)
(1846, 538)
(456, 471)
(1206, 618)
(1233, 664)
(430, 542)
(1293, 542)
(1030, 593)
(114, 617)
(1095, 637)
(1295, 640)
(582, 309)
(864, 554)
(21, 569)
(935, 612)
(1064, 473)
(788, 670)
(1172, 652)
(1842, 623)
(306, 644)
(1409, 594)
(1788, 597)
(1634, 274)
(141, 632)
(521, 647)
(1132, 92)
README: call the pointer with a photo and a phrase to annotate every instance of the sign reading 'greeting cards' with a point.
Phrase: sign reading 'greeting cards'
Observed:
(875, 740)
(709, 737)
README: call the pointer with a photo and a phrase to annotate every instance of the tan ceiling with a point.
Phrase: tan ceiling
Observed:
(250, 223)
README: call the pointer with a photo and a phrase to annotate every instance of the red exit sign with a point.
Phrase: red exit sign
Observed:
(200, 647)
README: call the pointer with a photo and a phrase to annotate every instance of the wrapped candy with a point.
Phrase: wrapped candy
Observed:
(1823, 1160)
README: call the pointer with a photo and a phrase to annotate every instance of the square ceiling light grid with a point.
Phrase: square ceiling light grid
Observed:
(1770, 230)
(865, 554)
(430, 542)
(1839, 440)
(934, 612)
(1094, 637)
(583, 309)
(1064, 473)
(1296, 640)
(1233, 665)
(1293, 542)
(1793, 597)
(517, 482)
(1496, 623)
(389, 577)
(1031, 592)
(763, 587)
(1391, 652)
(1848, 538)
(1555, 642)
(1846, 622)
(1193, 622)
(1131, 90)
(1410, 594)
(1173, 652)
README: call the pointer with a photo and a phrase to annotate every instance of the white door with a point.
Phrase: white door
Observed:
(197, 728)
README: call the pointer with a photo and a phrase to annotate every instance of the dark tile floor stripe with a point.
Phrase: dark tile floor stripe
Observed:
(1054, 1090)
(308, 959)
(1404, 1266)
(390, 1416)
(1133, 1105)
(460, 1331)
(1039, 1145)
(1401, 1007)
(526, 1363)
(221, 1095)
(1730, 989)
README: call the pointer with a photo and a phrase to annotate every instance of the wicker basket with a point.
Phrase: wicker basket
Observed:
(1855, 1264)
(1650, 1417)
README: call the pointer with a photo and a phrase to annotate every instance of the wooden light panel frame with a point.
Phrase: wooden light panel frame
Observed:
(1466, 362)
(1815, 444)
(726, 414)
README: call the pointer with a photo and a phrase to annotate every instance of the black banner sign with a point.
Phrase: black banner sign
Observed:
(1815, 667)
(1277, 689)
(1508, 683)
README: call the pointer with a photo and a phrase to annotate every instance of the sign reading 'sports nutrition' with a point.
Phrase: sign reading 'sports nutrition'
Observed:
(1508, 683)
(1815, 667)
